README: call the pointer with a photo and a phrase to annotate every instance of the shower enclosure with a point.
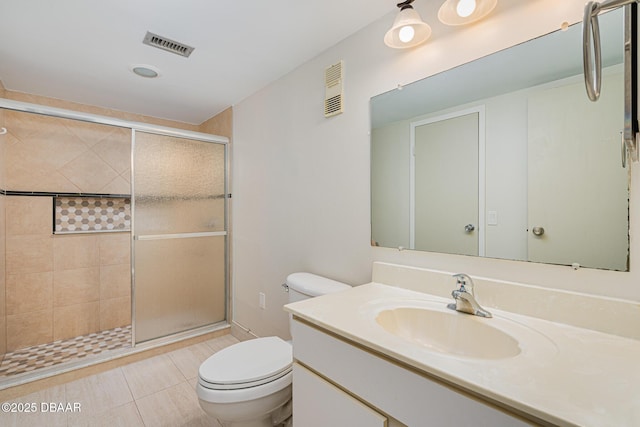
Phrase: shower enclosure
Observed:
(179, 200)
(115, 237)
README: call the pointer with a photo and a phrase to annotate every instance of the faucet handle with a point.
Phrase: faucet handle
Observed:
(464, 282)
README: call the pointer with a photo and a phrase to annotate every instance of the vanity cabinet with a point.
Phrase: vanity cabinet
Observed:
(318, 403)
(362, 383)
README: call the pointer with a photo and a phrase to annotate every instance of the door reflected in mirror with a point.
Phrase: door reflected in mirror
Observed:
(445, 149)
(505, 157)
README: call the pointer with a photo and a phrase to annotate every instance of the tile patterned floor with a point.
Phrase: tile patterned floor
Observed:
(45, 355)
(158, 392)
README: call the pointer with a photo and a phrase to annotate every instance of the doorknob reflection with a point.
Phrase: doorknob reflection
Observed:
(537, 231)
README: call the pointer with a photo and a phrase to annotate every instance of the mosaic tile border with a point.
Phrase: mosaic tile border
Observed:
(91, 214)
(50, 354)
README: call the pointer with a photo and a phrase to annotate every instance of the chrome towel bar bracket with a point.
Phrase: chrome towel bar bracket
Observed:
(592, 61)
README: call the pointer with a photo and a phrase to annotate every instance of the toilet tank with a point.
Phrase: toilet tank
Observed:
(306, 285)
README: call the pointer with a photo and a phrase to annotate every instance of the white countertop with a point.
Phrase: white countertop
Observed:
(565, 376)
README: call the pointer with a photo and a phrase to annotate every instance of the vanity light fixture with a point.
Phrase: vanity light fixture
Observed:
(462, 12)
(408, 29)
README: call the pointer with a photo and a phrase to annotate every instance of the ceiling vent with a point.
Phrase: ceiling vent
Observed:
(333, 93)
(169, 45)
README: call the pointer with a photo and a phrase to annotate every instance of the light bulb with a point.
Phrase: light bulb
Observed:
(406, 34)
(465, 8)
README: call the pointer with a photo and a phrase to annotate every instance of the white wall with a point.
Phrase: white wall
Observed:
(390, 193)
(301, 182)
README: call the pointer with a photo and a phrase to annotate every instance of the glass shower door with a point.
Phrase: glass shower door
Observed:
(179, 229)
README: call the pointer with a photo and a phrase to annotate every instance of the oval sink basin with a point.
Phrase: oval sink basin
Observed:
(450, 332)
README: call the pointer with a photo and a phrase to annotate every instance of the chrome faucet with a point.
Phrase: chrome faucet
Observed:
(465, 301)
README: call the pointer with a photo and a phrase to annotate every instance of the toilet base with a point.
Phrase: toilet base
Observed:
(273, 410)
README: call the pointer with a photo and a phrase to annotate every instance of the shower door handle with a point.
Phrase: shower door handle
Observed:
(179, 235)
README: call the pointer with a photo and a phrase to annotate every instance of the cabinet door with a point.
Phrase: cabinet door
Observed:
(318, 403)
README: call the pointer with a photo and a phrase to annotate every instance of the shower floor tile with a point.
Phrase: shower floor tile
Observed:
(45, 355)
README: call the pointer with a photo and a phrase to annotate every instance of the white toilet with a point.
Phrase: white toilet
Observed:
(249, 384)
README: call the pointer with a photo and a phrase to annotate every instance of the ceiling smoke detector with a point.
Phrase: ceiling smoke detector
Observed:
(169, 45)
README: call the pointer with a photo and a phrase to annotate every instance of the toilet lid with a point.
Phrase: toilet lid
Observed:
(247, 364)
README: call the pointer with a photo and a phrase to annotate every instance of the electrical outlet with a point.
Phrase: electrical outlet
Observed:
(263, 300)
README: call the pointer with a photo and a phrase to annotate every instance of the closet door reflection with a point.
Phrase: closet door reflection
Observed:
(179, 234)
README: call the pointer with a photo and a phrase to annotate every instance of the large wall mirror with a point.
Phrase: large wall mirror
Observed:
(505, 157)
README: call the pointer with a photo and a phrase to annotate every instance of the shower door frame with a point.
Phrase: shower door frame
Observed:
(62, 113)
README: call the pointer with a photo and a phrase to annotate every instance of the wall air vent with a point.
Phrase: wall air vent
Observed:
(333, 92)
(169, 45)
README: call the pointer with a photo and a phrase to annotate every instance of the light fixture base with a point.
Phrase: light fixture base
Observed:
(449, 14)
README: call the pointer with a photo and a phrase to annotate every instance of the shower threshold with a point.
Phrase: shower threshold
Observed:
(41, 356)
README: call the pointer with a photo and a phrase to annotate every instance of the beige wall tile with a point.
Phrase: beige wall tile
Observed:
(115, 312)
(45, 140)
(220, 124)
(115, 248)
(3, 140)
(115, 151)
(115, 281)
(29, 292)
(3, 203)
(76, 286)
(52, 154)
(126, 175)
(29, 254)
(3, 288)
(41, 147)
(3, 335)
(93, 134)
(29, 215)
(23, 177)
(72, 252)
(73, 320)
(3, 318)
(88, 172)
(117, 186)
(24, 330)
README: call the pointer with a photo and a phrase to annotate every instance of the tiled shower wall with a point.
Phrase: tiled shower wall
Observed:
(3, 329)
(49, 154)
(3, 313)
(61, 286)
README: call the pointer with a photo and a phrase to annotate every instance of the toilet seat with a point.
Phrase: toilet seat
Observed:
(247, 364)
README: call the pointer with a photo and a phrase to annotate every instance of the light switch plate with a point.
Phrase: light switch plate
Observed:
(492, 218)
